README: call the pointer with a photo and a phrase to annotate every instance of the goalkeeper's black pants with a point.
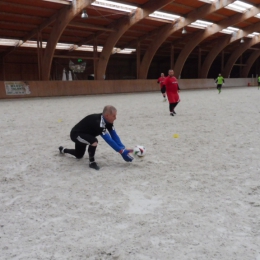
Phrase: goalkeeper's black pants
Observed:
(81, 141)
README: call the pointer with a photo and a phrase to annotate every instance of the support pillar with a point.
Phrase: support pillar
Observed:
(172, 56)
(199, 62)
(39, 53)
(95, 56)
(222, 61)
(241, 62)
(2, 69)
(138, 59)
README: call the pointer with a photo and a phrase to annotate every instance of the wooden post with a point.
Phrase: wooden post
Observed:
(138, 61)
(3, 67)
(39, 52)
(222, 61)
(199, 62)
(172, 56)
(240, 67)
(95, 56)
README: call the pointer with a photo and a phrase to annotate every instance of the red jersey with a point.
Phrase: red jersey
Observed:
(161, 81)
(172, 88)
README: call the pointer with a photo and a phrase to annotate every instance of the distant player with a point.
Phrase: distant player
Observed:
(162, 86)
(258, 82)
(219, 81)
(85, 132)
(172, 89)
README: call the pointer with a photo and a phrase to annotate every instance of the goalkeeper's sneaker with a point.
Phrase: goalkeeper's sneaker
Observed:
(94, 165)
(61, 148)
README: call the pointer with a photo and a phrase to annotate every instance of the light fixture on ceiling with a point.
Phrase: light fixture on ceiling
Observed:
(242, 40)
(84, 14)
(114, 5)
(183, 31)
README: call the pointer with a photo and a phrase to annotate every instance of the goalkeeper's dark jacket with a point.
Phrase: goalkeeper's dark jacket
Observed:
(95, 125)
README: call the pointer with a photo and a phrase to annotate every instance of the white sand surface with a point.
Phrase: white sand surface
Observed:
(192, 197)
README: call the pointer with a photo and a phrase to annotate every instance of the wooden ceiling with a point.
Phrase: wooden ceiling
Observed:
(23, 19)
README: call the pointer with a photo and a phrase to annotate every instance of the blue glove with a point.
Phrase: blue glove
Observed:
(126, 156)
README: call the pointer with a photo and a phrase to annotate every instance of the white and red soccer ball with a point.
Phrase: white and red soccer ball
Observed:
(139, 151)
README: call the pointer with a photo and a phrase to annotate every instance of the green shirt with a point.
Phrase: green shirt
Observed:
(220, 80)
(259, 79)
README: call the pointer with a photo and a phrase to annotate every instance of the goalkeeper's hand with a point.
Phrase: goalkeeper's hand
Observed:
(126, 156)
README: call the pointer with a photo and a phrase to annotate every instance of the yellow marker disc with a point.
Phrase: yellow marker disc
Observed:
(175, 136)
(60, 120)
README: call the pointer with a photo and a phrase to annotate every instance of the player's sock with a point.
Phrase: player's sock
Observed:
(91, 152)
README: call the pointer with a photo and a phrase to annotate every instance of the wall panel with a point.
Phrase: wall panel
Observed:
(94, 87)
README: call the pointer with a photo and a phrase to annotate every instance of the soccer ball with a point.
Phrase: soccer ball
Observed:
(139, 151)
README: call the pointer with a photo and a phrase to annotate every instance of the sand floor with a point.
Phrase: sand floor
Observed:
(192, 197)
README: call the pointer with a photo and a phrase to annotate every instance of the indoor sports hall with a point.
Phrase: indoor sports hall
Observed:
(195, 194)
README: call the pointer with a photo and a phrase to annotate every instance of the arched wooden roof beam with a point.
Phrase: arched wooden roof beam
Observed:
(169, 29)
(200, 36)
(122, 26)
(91, 26)
(249, 63)
(61, 22)
(237, 53)
(134, 42)
(222, 43)
(31, 34)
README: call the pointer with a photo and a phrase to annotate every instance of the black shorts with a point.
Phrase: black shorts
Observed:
(163, 89)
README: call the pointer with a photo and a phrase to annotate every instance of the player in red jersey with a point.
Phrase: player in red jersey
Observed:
(172, 89)
(162, 85)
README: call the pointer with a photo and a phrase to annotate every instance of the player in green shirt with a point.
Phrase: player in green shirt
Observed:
(220, 81)
(258, 82)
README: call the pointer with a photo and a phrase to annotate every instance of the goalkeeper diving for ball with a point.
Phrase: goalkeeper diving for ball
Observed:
(85, 132)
